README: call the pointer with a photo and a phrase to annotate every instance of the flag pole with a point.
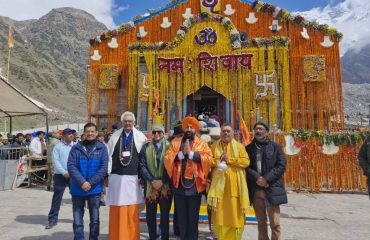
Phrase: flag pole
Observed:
(10, 46)
(7, 73)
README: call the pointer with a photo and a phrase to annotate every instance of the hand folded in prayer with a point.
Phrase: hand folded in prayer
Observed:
(224, 157)
(187, 148)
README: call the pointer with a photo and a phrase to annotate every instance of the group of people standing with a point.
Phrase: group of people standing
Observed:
(182, 168)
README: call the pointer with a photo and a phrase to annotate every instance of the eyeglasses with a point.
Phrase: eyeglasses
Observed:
(154, 132)
(260, 129)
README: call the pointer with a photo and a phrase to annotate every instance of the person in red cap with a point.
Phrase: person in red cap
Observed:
(187, 162)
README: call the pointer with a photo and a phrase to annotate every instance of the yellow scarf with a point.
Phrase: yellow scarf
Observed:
(216, 190)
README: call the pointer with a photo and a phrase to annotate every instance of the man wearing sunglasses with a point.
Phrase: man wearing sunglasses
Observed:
(157, 184)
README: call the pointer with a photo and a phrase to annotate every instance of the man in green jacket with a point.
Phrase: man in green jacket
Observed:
(157, 182)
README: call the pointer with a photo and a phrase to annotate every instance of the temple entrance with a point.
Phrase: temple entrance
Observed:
(206, 101)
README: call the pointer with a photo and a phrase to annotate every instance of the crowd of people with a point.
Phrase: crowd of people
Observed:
(123, 170)
(132, 171)
(9, 142)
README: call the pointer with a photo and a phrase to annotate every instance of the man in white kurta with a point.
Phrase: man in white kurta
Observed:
(124, 193)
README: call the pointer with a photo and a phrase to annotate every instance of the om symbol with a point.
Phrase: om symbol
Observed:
(210, 4)
(207, 35)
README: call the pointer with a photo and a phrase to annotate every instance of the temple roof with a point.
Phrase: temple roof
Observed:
(258, 6)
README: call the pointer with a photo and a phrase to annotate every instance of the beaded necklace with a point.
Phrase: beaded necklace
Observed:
(183, 184)
(121, 158)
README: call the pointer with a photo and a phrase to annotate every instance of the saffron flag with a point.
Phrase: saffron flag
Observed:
(156, 106)
(10, 38)
(244, 129)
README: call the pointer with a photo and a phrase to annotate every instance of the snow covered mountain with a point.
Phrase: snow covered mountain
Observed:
(351, 17)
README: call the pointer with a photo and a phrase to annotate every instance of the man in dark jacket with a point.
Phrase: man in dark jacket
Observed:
(19, 142)
(364, 159)
(87, 167)
(20, 145)
(265, 181)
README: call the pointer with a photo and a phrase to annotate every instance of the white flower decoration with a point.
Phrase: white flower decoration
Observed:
(234, 31)
(292, 17)
(187, 23)
(225, 21)
(236, 45)
(180, 33)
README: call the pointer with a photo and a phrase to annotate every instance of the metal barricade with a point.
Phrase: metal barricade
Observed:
(18, 165)
(10, 162)
(37, 168)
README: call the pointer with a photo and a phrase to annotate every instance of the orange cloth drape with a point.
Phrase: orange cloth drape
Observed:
(200, 171)
(124, 222)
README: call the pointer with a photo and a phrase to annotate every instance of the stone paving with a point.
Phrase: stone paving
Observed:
(23, 215)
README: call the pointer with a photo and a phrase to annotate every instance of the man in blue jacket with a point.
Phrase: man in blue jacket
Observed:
(87, 167)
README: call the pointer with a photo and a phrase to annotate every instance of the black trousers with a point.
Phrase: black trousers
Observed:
(187, 213)
(60, 184)
(151, 217)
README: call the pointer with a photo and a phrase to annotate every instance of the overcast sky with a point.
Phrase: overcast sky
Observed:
(116, 12)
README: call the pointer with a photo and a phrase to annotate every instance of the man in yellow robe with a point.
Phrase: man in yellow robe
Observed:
(228, 193)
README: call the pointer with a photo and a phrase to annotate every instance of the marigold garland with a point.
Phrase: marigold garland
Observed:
(282, 15)
(293, 90)
(312, 170)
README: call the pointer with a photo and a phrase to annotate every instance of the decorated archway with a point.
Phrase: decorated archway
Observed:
(208, 51)
(208, 102)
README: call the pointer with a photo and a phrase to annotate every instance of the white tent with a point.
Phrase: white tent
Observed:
(13, 103)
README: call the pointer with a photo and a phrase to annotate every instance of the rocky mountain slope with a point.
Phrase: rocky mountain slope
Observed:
(48, 61)
(356, 66)
(356, 99)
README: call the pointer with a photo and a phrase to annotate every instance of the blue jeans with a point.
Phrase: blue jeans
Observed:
(93, 202)
(60, 184)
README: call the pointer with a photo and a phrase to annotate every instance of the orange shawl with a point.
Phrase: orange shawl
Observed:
(200, 171)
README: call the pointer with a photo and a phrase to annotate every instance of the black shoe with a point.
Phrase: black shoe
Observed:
(51, 225)
(102, 203)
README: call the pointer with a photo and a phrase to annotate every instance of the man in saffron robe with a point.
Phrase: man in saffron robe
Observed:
(157, 183)
(124, 194)
(187, 162)
(228, 193)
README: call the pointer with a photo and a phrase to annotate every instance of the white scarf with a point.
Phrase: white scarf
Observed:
(139, 141)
